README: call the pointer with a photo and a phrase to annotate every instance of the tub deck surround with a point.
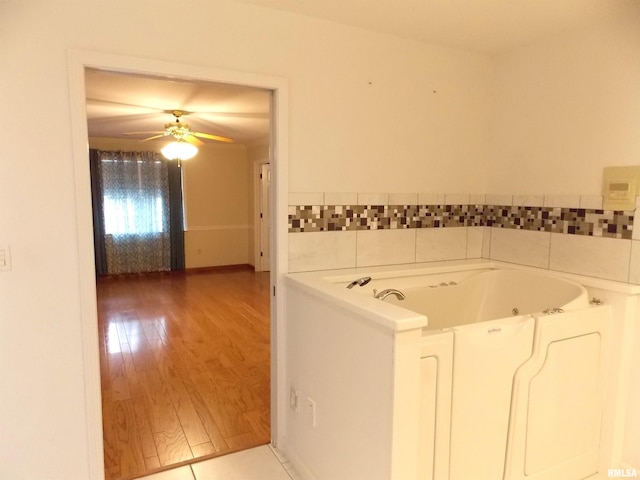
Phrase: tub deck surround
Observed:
(353, 355)
(330, 286)
(341, 368)
(384, 314)
(330, 282)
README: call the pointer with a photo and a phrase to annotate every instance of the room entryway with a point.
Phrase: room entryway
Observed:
(79, 62)
(183, 317)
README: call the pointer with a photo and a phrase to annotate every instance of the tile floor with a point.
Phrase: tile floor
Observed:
(260, 463)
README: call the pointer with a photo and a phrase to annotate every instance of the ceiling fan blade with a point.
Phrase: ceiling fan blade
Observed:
(193, 140)
(152, 138)
(212, 137)
(144, 133)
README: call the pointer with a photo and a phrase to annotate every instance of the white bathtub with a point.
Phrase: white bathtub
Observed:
(480, 332)
(510, 366)
(477, 296)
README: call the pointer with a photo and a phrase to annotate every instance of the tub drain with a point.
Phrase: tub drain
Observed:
(515, 311)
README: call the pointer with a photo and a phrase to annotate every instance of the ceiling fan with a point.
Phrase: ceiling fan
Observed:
(181, 132)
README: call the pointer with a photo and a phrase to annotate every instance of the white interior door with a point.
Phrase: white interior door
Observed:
(265, 215)
(486, 357)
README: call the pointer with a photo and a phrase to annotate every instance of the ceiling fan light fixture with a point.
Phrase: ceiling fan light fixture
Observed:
(179, 150)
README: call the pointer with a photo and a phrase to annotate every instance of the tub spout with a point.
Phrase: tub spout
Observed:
(361, 282)
(389, 291)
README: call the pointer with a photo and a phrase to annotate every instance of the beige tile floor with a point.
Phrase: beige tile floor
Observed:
(260, 463)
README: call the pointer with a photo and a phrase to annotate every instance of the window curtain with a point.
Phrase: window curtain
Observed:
(140, 222)
(176, 216)
(98, 222)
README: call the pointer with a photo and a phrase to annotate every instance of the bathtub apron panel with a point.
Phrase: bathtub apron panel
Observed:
(486, 357)
(436, 371)
(559, 398)
(464, 379)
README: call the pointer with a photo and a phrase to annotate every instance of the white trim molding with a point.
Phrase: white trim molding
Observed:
(208, 228)
(78, 61)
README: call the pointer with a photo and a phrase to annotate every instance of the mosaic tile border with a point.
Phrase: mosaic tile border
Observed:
(572, 221)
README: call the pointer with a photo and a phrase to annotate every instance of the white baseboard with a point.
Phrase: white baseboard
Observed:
(292, 461)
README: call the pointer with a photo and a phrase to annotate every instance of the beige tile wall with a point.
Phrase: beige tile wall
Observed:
(520, 246)
(385, 247)
(595, 257)
(608, 258)
(436, 244)
(321, 251)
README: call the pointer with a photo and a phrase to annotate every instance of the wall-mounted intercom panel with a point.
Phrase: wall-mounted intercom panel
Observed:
(620, 187)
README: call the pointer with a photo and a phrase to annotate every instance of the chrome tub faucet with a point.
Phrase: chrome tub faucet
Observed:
(389, 291)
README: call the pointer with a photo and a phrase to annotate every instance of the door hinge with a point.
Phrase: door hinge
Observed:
(261, 254)
(261, 215)
(274, 290)
(260, 175)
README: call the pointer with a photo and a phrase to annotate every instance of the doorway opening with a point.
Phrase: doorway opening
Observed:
(181, 380)
(83, 60)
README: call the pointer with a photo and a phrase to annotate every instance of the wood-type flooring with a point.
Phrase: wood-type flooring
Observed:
(184, 368)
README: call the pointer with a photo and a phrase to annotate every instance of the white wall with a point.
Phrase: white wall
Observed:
(565, 108)
(393, 107)
(362, 113)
